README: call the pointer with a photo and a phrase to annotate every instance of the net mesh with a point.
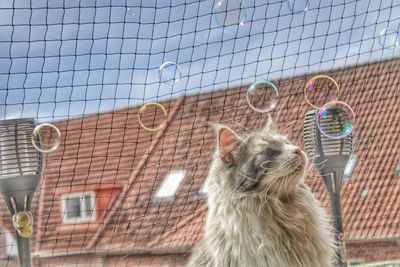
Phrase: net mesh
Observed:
(132, 86)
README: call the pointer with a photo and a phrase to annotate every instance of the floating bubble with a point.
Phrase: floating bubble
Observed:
(169, 72)
(298, 6)
(23, 223)
(389, 38)
(46, 137)
(320, 90)
(336, 120)
(262, 96)
(230, 13)
(131, 11)
(150, 118)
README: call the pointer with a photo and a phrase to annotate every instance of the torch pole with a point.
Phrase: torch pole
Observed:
(334, 185)
(24, 251)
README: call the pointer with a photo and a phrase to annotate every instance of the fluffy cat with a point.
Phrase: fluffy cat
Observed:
(260, 212)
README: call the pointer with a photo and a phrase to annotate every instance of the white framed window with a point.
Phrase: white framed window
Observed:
(78, 207)
(170, 184)
(204, 189)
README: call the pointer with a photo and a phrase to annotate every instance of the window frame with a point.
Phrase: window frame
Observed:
(81, 197)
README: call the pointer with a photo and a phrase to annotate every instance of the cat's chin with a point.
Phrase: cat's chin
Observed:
(298, 170)
(290, 183)
(300, 167)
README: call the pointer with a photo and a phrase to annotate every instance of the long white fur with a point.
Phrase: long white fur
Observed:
(260, 230)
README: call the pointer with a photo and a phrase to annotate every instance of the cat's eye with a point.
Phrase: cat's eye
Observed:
(270, 152)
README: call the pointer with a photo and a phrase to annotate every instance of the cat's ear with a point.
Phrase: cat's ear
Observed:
(269, 126)
(228, 142)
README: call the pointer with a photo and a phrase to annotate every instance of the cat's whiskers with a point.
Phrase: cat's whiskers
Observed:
(321, 167)
(286, 186)
(267, 196)
(285, 130)
(317, 166)
(320, 163)
(251, 179)
(283, 165)
(262, 203)
(260, 247)
(266, 169)
(233, 198)
(279, 190)
(230, 200)
(245, 128)
(264, 196)
(265, 162)
(311, 159)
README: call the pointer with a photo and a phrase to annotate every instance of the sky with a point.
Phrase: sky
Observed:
(66, 58)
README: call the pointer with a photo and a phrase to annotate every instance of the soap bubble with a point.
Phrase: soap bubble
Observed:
(23, 223)
(131, 11)
(320, 90)
(389, 38)
(46, 137)
(336, 120)
(262, 96)
(298, 6)
(150, 117)
(230, 13)
(169, 72)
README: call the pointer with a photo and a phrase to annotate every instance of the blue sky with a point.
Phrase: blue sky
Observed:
(64, 58)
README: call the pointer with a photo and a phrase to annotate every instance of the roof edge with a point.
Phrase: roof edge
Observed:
(394, 238)
(136, 252)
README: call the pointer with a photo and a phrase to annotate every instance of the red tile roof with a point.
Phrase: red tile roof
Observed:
(112, 149)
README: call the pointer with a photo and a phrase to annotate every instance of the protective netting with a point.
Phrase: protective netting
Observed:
(132, 86)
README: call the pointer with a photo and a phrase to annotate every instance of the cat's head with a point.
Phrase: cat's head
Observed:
(260, 162)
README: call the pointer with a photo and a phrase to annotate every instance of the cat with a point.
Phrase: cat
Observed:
(260, 212)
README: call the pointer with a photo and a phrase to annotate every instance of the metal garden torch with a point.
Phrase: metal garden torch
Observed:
(331, 157)
(20, 171)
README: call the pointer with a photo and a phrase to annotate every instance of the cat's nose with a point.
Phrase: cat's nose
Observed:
(297, 151)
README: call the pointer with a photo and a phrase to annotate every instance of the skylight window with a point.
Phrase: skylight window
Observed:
(398, 169)
(170, 184)
(365, 191)
(204, 189)
(351, 165)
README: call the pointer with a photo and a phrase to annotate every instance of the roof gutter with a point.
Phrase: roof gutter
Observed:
(136, 252)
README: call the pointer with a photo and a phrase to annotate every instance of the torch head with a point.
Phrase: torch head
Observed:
(330, 155)
(20, 163)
